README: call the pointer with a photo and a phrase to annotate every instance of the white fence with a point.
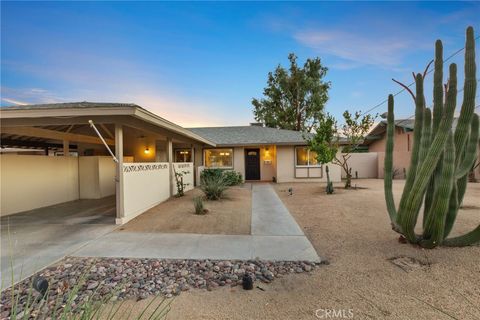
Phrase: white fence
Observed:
(187, 172)
(144, 186)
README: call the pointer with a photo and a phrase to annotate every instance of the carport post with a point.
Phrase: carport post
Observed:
(66, 148)
(119, 173)
(170, 163)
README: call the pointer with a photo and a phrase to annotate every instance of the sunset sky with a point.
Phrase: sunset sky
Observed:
(201, 63)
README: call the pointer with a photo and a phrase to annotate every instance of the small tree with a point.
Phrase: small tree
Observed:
(294, 99)
(328, 140)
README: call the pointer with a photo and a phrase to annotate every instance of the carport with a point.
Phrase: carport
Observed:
(62, 188)
(76, 163)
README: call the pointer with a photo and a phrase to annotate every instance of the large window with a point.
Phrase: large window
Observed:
(305, 157)
(183, 155)
(218, 158)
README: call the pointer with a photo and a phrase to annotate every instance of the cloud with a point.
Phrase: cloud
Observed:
(15, 102)
(355, 50)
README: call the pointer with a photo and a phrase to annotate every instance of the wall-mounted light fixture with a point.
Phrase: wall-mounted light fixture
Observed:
(147, 150)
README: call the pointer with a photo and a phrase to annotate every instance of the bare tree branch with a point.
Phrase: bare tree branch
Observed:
(406, 88)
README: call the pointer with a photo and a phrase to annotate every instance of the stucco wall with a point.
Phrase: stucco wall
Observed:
(268, 163)
(97, 177)
(30, 181)
(286, 168)
(401, 160)
(365, 164)
(144, 186)
(239, 160)
(186, 168)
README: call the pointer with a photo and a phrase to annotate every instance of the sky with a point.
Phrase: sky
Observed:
(201, 63)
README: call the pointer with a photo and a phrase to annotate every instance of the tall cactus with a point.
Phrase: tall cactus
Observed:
(441, 157)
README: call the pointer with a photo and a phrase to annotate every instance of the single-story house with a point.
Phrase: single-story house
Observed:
(54, 153)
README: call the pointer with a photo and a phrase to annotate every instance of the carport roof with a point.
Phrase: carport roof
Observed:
(86, 109)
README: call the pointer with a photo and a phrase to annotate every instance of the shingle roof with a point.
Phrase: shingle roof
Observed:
(70, 105)
(249, 135)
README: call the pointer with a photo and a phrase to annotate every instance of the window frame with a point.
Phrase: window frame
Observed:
(219, 148)
(308, 165)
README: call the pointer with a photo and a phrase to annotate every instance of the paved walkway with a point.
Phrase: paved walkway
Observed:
(275, 236)
(35, 239)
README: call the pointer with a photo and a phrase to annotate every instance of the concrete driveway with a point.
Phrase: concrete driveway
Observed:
(34, 239)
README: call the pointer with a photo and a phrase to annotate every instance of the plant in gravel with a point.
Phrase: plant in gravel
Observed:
(232, 178)
(198, 205)
(441, 157)
(329, 189)
(179, 182)
(28, 303)
(213, 186)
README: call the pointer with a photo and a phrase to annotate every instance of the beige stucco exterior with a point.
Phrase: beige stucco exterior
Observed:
(30, 181)
(401, 151)
(96, 177)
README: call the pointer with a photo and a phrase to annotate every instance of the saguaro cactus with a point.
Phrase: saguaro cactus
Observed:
(441, 157)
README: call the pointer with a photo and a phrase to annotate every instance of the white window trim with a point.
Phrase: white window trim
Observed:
(215, 167)
(308, 157)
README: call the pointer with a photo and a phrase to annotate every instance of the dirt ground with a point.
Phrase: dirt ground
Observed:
(230, 215)
(351, 229)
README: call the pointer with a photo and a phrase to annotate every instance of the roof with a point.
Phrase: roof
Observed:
(91, 109)
(407, 124)
(250, 135)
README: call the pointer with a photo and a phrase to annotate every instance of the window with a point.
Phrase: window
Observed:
(183, 155)
(218, 158)
(305, 157)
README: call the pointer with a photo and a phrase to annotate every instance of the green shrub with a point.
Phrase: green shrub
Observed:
(198, 204)
(230, 177)
(213, 186)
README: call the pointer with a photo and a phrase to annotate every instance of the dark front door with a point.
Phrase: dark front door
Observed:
(252, 164)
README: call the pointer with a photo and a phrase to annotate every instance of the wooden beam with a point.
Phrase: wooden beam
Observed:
(110, 135)
(53, 134)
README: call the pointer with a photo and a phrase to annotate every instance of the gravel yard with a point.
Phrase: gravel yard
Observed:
(230, 215)
(370, 274)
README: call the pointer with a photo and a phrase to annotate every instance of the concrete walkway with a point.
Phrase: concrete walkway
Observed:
(275, 236)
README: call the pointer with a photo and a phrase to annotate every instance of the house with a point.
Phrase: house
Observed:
(402, 150)
(55, 153)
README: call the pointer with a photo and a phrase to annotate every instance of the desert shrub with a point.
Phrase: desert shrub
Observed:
(198, 204)
(213, 186)
(230, 177)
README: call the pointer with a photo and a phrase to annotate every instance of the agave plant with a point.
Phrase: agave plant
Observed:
(441, 157)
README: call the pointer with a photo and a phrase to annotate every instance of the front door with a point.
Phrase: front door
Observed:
(252, 164)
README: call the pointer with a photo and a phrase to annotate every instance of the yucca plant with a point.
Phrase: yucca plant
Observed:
(441, 157)
(213, 186)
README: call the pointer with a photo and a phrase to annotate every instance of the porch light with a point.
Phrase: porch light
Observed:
(147, 151)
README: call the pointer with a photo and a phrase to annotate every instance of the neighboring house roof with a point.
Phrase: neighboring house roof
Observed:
(250, 135)
(86, 109)
(406, 124)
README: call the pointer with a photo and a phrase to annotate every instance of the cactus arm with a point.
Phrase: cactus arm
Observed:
(426, 136)
(388, 164)
(437, 86)
(408, 217)
(437, 116)
(417, 135)
(471, 151)
(469, 239)
(468, 105)
(433, 233)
